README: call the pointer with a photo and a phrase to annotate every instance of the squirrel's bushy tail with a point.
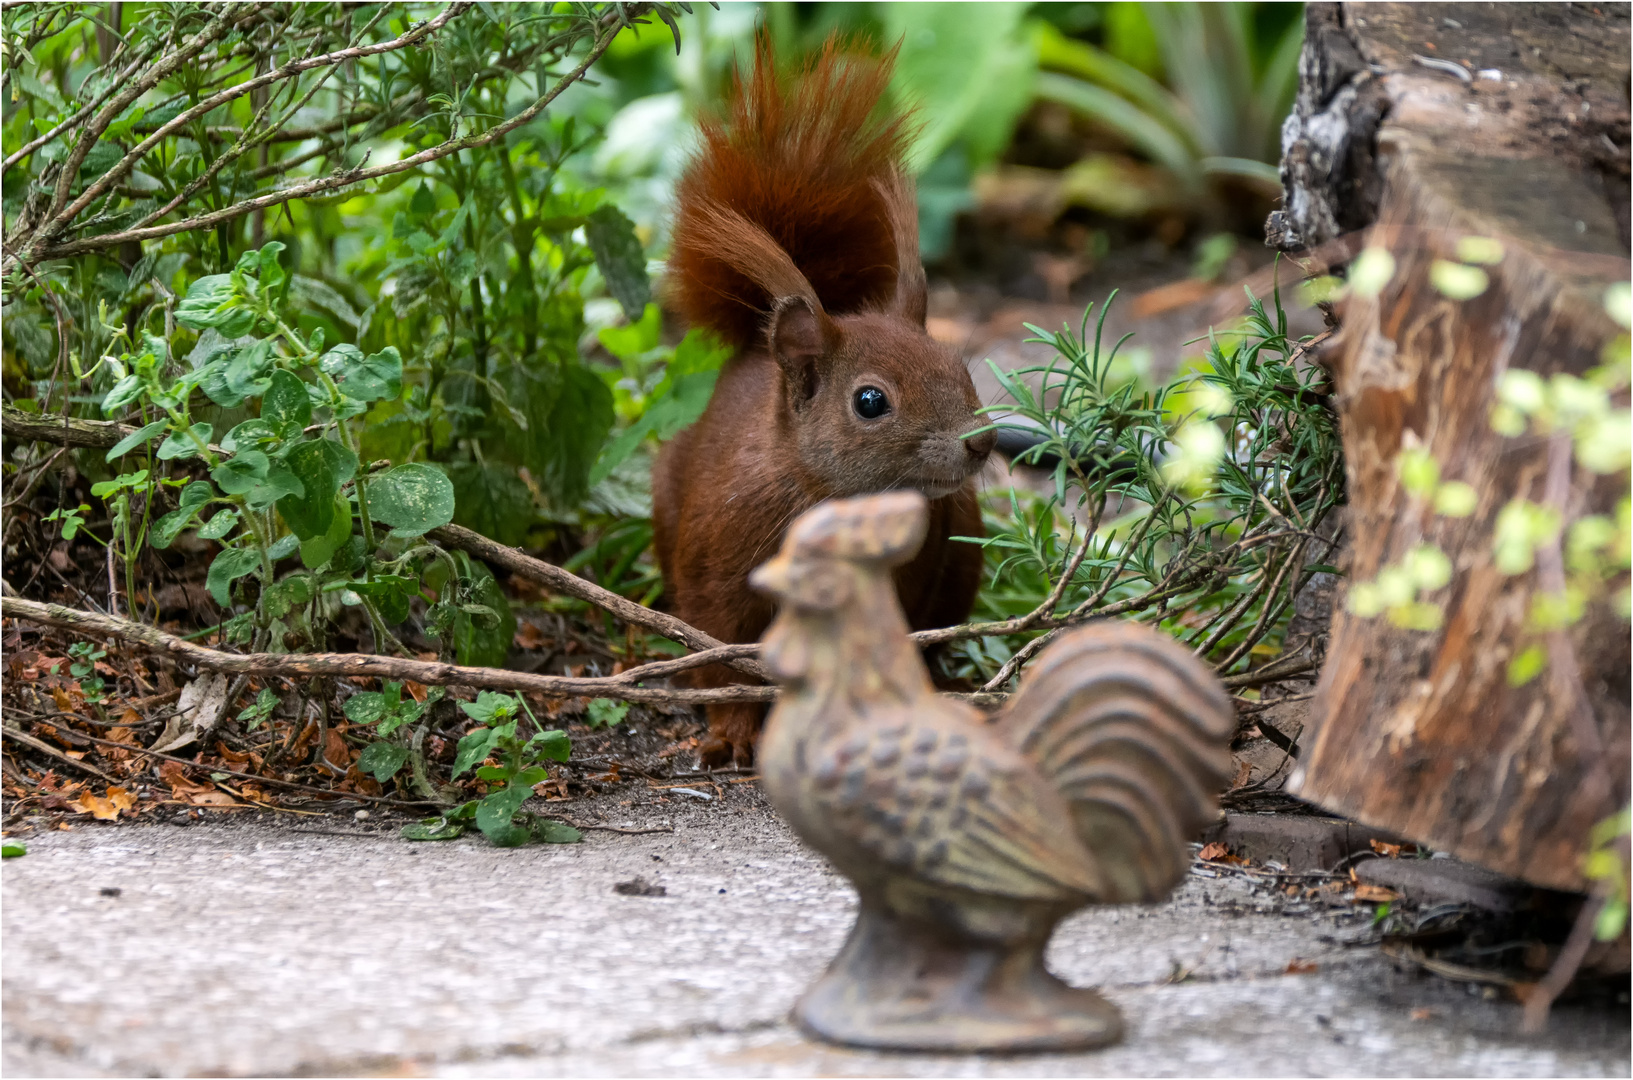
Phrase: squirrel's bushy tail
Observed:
(1134, 731)
(811, 159)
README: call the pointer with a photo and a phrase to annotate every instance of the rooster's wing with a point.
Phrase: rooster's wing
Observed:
(950, 805)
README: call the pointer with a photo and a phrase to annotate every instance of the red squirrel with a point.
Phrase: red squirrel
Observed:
(796, 240)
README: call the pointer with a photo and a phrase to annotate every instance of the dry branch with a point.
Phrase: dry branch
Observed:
(622, 687)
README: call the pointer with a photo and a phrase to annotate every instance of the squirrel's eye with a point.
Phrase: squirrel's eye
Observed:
(871, 403)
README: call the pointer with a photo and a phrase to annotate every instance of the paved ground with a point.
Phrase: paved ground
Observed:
(259, 948)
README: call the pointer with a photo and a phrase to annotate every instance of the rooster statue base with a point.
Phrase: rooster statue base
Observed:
(969, 838)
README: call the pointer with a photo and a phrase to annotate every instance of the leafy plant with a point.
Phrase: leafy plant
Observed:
(1230, 79)
(519, 766)
(1217, 485)
(135, 168)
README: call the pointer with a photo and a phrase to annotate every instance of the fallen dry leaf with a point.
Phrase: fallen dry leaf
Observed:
(337, 750)
(530, 637)
(1212, 851)
(121, 798)
(174, 774)
(1422, 1014)
(1296, 966)
(99, 808)
(1388, 851)
(1375, 894)
(211, 798)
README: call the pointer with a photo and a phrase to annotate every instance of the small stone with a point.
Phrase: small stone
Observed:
(111, 890)
(361, 815)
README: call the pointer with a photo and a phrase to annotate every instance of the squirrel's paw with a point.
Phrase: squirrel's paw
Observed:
(731, 737)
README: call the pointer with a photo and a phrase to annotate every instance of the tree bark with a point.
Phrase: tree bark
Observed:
(1420, 732)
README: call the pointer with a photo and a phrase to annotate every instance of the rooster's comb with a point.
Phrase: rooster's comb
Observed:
(888, 527)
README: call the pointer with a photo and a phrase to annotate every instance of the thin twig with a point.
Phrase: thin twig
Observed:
(137, 751)
(619, 687)
(1541, 997)
(46, 748)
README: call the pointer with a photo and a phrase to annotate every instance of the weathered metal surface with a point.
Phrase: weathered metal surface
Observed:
(970, 838)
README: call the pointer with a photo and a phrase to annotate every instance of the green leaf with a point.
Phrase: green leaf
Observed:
(475, 747)
(124, 392)
(366, 707)
(492, 500)
(365, 378)
(11, 849)
(553, 745)
(1526, 665)
(536, 774)
(286, 406)
(664, 417)
(406, 713)
(433, 829)
(219, 525)
(640, 336)
(246, 374)
(424, 203)
(322, 465)
(250, 435)
(283, 597)
(482, 642)
(604, 712)
(180, 445)
(618, 253)
(213, 302)
(230, 565)
(494, 815)
(137, 438)
(491, 708)
(561, 445)
(240, 473)
(279, 483)
(318, 550)
(193, 499)
(412, 498)
(546, 831)
(131, 481)
(382, 760)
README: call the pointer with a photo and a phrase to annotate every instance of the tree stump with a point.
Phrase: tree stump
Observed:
(1420, 732)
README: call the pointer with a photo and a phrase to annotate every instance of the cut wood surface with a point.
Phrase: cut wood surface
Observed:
(1420, 732)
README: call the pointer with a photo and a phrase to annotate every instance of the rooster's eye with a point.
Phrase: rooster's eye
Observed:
(871, 403)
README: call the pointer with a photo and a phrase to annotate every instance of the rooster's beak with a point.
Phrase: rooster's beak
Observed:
(771, 576)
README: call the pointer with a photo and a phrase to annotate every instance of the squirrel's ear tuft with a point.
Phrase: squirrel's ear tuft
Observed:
(801, 335)
(901, 207)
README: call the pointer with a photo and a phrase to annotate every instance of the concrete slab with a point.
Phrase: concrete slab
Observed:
(255, 948)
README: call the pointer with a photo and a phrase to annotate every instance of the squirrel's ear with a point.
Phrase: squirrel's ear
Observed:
(801, 335)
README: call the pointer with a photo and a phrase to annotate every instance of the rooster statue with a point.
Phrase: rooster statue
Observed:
(969, 838)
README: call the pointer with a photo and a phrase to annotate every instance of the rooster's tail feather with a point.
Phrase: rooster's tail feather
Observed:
(1134, 731)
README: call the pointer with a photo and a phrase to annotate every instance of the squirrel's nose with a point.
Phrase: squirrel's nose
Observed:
(980, 445)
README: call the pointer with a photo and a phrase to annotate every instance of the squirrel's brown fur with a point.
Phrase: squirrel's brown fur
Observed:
(796, 239)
